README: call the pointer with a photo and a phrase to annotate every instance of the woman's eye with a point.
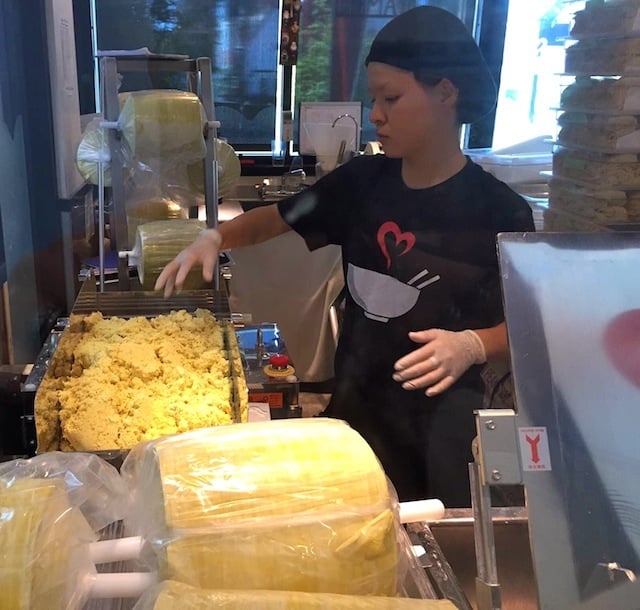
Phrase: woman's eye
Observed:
(385, 100)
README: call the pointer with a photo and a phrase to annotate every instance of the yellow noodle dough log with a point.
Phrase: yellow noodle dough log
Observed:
(177, 596)
(40, 534)
(308, 494)
(163, 122)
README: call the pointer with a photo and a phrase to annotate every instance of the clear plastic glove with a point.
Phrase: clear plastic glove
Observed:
(203, 251)
(444, 356)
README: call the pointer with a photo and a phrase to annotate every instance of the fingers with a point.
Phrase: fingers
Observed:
(169, 286)
(424, 336)
(439, 362)
(172, 277)
(441, 386)
(166, 278)
(208, 265)
(424, 373)
(436, 381)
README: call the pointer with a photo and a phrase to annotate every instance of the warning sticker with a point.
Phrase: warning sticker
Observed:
(534, 448)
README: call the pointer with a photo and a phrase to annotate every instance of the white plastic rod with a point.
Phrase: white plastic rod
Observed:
(421, 510)
(119, 549)
(125, 584)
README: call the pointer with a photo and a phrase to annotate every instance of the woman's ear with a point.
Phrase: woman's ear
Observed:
(448, 92)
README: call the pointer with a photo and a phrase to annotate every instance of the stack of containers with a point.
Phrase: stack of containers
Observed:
(596, 169)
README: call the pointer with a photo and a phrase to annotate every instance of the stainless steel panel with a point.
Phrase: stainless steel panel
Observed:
(572, 304)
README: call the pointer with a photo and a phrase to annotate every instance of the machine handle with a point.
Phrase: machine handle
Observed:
(421, 510)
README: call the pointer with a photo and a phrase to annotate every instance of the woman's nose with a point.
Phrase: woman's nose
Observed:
(375, 116)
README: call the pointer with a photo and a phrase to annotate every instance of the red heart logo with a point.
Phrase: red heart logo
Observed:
(622, 344)
(409, 239)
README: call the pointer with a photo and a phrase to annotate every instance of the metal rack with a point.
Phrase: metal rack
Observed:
(198, 72)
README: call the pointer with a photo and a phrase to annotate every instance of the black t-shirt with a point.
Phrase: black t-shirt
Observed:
(413, 259)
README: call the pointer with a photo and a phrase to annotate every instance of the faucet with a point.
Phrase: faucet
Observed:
(293, 180)
(357, 128)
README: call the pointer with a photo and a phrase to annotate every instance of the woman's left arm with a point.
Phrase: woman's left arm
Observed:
(444, 355)
(494, 340)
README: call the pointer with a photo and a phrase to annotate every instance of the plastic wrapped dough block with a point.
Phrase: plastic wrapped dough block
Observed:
(287, 504)
(164, 122)
(178, 596)
(43, 542)
(158, 242)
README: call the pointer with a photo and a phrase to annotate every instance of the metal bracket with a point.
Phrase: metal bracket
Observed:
(497, 462)
(497, 450)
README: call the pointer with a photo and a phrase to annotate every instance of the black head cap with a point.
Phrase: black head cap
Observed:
(430, 41)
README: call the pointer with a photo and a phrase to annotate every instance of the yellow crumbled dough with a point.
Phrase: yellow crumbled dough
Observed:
(114, 382)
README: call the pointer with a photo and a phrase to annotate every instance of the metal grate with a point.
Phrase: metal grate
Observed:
(149, 303)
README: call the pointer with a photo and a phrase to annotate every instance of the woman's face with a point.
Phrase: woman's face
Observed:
(410, 119)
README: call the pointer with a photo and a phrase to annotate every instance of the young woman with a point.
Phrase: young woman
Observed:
(417, 227)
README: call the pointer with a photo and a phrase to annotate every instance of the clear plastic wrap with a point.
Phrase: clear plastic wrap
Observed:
(599, 19)
(601, 170)
(300, 505)
(604, 57)
(51, 507)
(229, 170)
(613, 134)
(172, 595)
(94, 149)
(608, 96)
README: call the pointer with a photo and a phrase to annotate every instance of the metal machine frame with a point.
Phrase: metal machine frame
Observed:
(200, 82)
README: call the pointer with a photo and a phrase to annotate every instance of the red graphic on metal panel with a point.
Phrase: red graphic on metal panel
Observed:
(622, 344)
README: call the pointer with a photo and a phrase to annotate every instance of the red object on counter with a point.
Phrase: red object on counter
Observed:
(279, 361)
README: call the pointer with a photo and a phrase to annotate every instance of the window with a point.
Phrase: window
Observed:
(251, 89)
(241, 38)
(536, 39)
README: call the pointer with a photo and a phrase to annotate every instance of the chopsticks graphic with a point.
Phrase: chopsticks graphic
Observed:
(420, 275)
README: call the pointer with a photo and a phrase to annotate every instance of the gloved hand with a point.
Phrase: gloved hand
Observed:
(444, 356)
(204, 251)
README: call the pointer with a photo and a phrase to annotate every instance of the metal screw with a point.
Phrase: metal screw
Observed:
(496, 475)
(490, 424)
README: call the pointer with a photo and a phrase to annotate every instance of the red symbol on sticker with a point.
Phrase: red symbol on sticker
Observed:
(533, 444)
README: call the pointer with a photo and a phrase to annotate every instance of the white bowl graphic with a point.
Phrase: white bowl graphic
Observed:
(381, 296)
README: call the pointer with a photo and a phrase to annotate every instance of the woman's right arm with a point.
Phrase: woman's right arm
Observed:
(253, 227)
